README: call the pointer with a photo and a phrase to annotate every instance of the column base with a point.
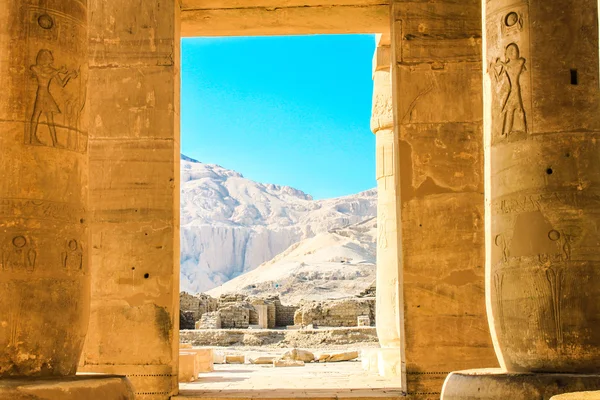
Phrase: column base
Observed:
(496, 384)
(86, 386)
(386, 362)
(578, 396)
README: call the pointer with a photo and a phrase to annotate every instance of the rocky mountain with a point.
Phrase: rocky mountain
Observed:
(330, 265)
(230, 225)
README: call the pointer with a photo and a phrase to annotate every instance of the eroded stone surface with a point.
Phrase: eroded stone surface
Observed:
(542, 130)
(88, 387)
(44, 246)
(497, 384)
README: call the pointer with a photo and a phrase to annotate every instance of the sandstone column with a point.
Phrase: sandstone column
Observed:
(134, 181)
(44, 246)
(389, 307)
(542, 104)
(542, 123)
(436, 53)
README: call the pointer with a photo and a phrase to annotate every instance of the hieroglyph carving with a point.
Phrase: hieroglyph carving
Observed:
(57, 81)
(18, 256)
(72, 258)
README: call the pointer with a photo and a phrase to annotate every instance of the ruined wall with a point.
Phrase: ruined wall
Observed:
(343, 312)
(234, 316)
(199, 304)
(209, 320)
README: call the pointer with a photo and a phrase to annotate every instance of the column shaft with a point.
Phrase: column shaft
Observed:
(134, 179)
(438, 121)
(44, 280)
(542, 129)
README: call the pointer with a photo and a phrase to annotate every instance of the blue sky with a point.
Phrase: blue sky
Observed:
(290, 110)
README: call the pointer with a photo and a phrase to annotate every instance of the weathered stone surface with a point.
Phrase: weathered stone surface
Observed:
(186, 320)
(343, 356)
(435, 201)
(262, 360)
(495, 384)
(342, 312)
(188, 371)
(209, 320)
(298, 354)
(595, 395)
(133, 96)
(284, 338)
(44, 237)
(235, 359)
(88, 387)
(542, 129)
(288, 363)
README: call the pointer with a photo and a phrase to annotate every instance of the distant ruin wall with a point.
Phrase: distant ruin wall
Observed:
(335, 313)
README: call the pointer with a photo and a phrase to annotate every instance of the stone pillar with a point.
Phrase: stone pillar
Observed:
(542, 124)
(389, 308)
(134, 180)
(44, 246)
(543, 103)
(261, 309)
(436, 54)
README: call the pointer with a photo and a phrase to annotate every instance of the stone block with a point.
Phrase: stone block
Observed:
(203, 360)
(218, 357)
(288, 363)
(363, 320)
(262, 360)
(84, 386)
(187, 367)
(298, 355)
(494, 383)
(338, 356)
(185, 345)
(235, 359)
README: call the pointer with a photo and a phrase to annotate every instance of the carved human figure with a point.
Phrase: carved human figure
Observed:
(73, 257)
(512, 102)
(74, 107)
(45, 104)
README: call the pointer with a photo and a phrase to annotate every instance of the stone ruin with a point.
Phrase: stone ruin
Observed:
(239, 311)
(234, 311)
(341, 312)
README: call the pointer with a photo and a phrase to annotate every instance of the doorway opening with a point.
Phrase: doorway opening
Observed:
(271, 274)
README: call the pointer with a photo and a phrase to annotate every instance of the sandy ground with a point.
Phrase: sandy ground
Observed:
(311, 379)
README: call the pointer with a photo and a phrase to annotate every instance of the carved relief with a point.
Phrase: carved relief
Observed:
(45, 73)
(507, 73)
(498, 283)
(72, 258)
(382, 242)
(57, 80)
(556, 280)
(19, 255)
(500, 241)
(40, 209)
(507, 43)
(512, 22)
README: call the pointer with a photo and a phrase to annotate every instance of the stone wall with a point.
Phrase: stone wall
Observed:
(284, 315)
(234, 316)
(343, 312)
(209, 320)
(198, 304)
